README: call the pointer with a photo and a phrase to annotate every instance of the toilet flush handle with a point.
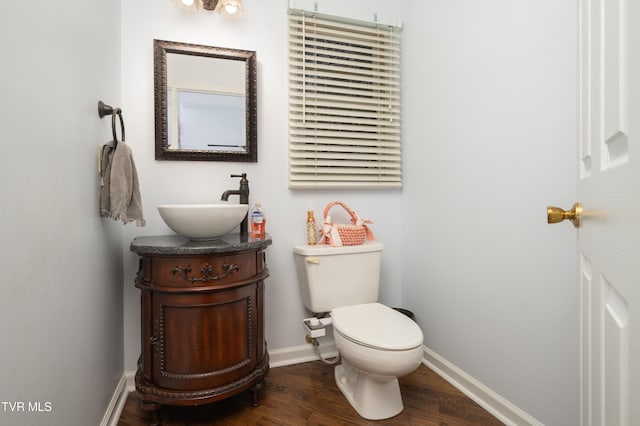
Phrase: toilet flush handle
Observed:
(314, 260)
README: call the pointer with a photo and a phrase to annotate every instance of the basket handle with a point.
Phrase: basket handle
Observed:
(354, 216)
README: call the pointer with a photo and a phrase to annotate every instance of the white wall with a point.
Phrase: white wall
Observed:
(61, 313)
(489, 131)
(263, 29)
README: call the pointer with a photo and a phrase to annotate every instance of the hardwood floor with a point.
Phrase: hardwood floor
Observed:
(306, 394)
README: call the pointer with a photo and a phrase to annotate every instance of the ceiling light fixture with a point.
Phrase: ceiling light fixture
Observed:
(227, 8)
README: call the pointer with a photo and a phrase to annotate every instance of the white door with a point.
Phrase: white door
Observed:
(609, 191)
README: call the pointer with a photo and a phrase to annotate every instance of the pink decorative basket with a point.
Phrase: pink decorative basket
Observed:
(352, 234)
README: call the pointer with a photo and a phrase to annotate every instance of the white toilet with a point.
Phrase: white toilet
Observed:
(377, 344)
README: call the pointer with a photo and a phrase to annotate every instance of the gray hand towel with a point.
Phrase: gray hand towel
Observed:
(120, 194)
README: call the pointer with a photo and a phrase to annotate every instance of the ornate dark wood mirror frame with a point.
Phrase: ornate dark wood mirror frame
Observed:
(161, 49)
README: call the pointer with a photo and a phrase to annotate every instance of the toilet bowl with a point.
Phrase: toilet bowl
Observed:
(377, 345)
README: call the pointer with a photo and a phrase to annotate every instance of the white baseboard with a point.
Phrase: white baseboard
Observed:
(499, 407)
(131, 382)
(119, 398)
(300, 354)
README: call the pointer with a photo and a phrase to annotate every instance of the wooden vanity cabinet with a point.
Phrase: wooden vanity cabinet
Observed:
(202, 331)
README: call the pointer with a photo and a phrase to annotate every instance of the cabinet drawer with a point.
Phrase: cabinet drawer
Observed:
(203, 270)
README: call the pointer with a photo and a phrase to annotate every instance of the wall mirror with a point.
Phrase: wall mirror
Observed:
(205, 103)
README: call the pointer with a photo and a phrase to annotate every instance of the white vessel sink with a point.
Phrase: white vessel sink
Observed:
(203, 221)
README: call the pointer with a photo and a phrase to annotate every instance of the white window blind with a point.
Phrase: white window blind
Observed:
(344, 104)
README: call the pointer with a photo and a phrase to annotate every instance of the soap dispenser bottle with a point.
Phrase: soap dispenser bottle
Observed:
(258, 221)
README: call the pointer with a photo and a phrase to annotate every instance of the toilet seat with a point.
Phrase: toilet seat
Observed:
(377, 326)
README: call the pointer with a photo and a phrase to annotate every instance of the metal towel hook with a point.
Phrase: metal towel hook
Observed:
(104, 109)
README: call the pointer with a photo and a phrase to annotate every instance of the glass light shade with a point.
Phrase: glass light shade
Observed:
(230, 8)
(190, 5)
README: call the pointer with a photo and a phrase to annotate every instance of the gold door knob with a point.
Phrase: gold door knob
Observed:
(556, 214)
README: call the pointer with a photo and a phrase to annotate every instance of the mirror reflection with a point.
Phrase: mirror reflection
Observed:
(205, 103)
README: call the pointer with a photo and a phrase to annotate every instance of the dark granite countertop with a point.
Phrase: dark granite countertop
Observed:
(176, 244)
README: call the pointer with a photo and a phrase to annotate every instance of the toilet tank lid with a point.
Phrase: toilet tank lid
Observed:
(325, 249)
(378, 326)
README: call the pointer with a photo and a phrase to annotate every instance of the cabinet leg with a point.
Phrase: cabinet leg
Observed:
(255, 393)
(154, 412)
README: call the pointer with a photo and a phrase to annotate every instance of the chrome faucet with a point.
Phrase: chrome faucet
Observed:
(243, 192)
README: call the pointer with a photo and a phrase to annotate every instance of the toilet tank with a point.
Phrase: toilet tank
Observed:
(330, 277)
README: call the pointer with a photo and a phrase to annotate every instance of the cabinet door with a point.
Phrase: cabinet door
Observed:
(204, 340)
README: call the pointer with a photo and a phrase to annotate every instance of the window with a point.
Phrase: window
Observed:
(344, 104)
